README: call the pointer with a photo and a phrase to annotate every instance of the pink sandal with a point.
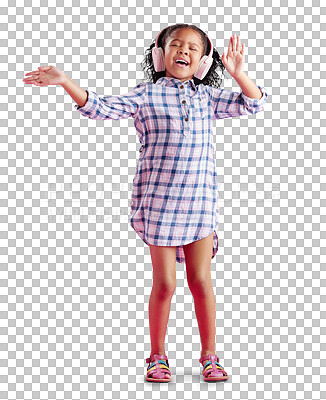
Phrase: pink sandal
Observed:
(213, 371)
(158, 367)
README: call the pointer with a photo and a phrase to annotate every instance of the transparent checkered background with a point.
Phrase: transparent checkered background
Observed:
(75, 277)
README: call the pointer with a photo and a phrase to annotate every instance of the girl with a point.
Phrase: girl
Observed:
(174, 207)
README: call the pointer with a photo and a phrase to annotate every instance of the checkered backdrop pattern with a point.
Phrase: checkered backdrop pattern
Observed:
(76, 279)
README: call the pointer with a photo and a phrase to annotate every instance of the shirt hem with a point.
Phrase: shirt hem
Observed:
(180, 259)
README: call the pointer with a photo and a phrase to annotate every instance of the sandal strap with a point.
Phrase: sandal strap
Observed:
(212, 365)
(153, 368)
(213, 373)
(157, 357)
(162, 363)
(209, 357)
(208, 365)
(158, 365)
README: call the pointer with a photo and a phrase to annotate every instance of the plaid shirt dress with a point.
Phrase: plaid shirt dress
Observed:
(175, 188)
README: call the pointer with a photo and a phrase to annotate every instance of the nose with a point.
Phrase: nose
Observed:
(185, 52)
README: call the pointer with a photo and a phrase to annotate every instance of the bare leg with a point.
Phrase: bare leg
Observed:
(164, 284)
(198, 261)
(205, 308)
(159, 311)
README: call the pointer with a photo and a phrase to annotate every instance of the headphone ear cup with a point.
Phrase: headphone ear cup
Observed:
(204, 65)
(158, 59)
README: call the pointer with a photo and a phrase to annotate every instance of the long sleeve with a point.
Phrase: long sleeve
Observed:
(226, 104)
(113, 107)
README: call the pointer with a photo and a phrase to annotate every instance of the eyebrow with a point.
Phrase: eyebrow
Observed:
(188, 42)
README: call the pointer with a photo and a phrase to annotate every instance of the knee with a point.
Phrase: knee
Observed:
(200, 285)
(165, 288)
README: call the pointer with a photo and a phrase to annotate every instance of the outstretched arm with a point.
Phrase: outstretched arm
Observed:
(248, 87)
(233, 63)
(78, 94)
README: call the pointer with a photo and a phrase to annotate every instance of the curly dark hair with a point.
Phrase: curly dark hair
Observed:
(212, 78)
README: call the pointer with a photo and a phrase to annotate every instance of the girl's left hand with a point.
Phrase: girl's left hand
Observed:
(234, 59)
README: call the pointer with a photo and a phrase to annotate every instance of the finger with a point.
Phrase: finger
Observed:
(30, 79)
(32, 83)
(238, 44)
(242, 49)
(32, 73)
(230, 45)
(45, 68)
(234, 39)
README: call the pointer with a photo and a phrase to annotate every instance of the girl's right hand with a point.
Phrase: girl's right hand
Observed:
(48, 75)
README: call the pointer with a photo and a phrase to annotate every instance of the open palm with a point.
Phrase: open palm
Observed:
(48, 75)
(234, 60)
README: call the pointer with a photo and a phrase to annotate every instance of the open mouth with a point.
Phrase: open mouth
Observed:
(181, 64)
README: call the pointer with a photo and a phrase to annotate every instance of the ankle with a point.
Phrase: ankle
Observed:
(158, 353)
(206, 354)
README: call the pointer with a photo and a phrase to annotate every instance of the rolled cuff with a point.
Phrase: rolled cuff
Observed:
(90, 103)
(253, 103)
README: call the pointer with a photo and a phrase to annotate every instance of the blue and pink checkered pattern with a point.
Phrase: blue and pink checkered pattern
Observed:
(175, 187)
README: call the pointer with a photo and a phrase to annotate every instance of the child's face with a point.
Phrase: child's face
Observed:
(186, 44)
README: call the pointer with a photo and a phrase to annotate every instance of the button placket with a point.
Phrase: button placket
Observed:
(200, 109)
(185, 111)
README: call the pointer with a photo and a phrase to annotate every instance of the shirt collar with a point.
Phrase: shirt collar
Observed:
(174, 82)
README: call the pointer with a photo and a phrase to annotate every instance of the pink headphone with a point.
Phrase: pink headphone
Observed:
(204, 64)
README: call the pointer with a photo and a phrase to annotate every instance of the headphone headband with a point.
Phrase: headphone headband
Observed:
(209, 40)
(204, 65)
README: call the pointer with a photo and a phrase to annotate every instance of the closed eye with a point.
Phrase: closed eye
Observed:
(178, 46)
